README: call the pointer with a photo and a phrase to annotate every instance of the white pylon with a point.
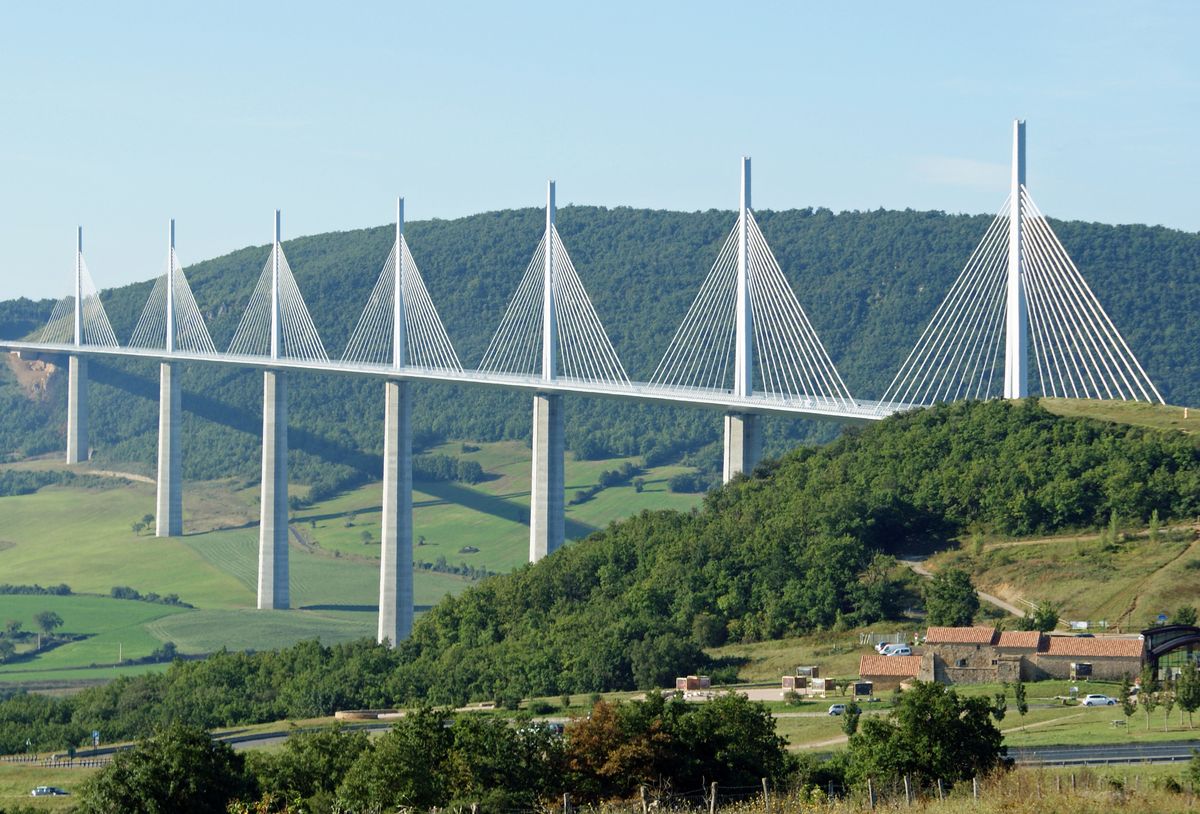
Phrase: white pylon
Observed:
(1016, 377)
(549, 309)
(743, 366)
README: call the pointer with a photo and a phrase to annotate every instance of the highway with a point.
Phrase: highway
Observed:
(1100, 754)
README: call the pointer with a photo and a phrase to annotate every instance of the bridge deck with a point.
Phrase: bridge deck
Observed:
(851, 412)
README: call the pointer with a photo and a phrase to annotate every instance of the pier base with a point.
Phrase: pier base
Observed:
(168, 518)
(273, 525)
(396, 556)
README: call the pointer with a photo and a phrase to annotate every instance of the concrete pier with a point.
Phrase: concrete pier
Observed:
(168, 519)
(743, 444)
(547, 525)
(273, 525)
(77, 410)
(395, 558)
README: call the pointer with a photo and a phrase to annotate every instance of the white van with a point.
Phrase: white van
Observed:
(896, 650)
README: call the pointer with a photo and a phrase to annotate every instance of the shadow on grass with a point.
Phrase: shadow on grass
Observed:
(356, 608)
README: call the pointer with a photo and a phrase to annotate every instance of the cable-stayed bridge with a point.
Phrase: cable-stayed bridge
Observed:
(745, 347)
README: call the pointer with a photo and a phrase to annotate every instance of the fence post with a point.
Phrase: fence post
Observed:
(642, 790)
(766, 796)
(907, 791)
(975, 787)
(566, 803)
(712, 799)
(941, 792)
(1073, 782)
(871, 793)
(1058, 784)
(474, 808)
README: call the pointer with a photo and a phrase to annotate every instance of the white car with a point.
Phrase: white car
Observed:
(837, 709)
(1098, 700)
(896, 650)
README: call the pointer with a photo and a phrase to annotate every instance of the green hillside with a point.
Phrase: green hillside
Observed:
(868, 280)
(798, 548)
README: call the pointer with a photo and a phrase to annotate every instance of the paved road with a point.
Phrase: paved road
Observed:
(1165, 752)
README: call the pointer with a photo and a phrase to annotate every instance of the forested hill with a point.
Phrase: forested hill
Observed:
(801, 545)
(868, 281)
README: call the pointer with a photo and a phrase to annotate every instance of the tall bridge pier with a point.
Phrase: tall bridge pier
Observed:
(77, 373)
(547, 522)
(168, 517)
(273, 523)
(743, 431)
(396, 534)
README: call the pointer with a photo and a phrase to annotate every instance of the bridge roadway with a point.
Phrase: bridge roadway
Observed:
(855, 412)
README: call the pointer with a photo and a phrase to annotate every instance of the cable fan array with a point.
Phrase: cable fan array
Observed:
(298, 337)
(585, 351)
(95, 329)
(790, 359)
(959, 354)
(191, 334)
(426, 341)
(1077, 350)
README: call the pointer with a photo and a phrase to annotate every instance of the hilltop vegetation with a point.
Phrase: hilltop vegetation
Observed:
(800, 546)
(868, 281)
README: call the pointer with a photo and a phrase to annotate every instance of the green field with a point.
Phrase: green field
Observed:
(17, 779)
(83, 537)
(114, 628)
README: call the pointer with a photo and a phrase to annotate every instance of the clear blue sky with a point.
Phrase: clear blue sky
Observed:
(218, 113)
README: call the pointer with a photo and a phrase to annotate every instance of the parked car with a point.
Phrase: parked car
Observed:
(897, 650)
(48, 791)
(837, 709)
(1098, 700)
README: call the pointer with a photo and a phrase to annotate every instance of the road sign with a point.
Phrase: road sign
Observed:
(95, 737)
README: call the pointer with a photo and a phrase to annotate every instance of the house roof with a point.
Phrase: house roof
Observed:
(1093, 647)
(1021, 639)
(901, 666)
(960, 635)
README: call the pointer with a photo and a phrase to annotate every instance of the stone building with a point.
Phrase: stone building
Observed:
(975, 655)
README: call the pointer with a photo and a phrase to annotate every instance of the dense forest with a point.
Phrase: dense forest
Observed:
(801, 545)
(868, 281)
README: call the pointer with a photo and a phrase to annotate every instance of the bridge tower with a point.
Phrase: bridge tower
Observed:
(743, 431)
(1016, 350)
(77, 373)
(547, 524)
(395, 561)
(273, 524)
(168, 518)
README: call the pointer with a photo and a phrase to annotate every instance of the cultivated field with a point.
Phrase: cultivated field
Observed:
(84, 537)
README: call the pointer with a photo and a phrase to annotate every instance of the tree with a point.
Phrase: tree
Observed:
(950, 598)
(1019, 697)
(850, 718)
(138, 526)
(1000, 708)
(1188, 687)
(1148, 694)
(404, 768)
(365, 536)
(1185, 615)
(7, 649)
(1168, 704)
(179, 768)
(933, 733)
(1154, 526)
(12, 627)
(1045, 618)
(47, 622)
(1128, 701)
(310, 766)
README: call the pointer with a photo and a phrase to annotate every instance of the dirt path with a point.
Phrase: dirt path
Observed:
(1137, 592)
(112, 473)
(1043, 723)
(922, 571)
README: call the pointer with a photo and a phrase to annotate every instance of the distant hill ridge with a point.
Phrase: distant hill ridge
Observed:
(868, 281)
